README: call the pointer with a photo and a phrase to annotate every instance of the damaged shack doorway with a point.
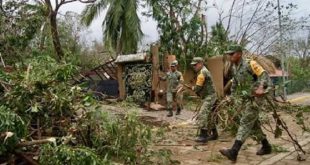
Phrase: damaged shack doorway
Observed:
(108, 87)
(102, 80)
(138, 82)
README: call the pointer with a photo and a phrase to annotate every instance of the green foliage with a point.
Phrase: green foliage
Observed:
(182, 30)
(18, 27)
(46, 69)
(219, 41)
(298, 112)
(70, 30)
(59, 155)
(277, 149)
(300, 117)
(128, 103)
(163, 157)
(10, 122)
(40, 93)
(305, 109)
(125, 138)
(41, 87)
(228, 113)
(300, 76)
(215, 157)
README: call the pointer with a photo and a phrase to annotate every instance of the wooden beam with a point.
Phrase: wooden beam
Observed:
(121, 82)
(155, 71)
(100, 75)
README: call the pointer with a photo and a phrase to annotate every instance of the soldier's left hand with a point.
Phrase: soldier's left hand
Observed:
(193, 88)
(227, 98)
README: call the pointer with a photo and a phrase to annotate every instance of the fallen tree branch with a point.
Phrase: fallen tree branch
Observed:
(281, 123)
(36, 142)
(5, 85)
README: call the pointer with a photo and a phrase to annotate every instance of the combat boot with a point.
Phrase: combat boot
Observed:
(214, 135)
(170, 113)
(203, 136)
(266, 148)
(232, 153)
(178, 111)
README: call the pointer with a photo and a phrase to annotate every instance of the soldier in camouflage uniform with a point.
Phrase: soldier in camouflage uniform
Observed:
(250, 82)
(205, 90)
(174, 89)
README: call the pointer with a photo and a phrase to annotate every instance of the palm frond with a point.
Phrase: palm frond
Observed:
(92, 11)
(132, 27)
(111, 24)
(121, 26)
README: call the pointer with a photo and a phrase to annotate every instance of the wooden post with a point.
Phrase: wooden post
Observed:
(167, 60)
(155, 71)
(216, 67)
(166, 63)
(121, 81)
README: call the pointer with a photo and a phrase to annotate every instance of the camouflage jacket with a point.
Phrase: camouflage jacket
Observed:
(247, 76)
(174, 80)
(204, 84)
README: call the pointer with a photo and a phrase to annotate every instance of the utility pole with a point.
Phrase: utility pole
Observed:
(281, 50)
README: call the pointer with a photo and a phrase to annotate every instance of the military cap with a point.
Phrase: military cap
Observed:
(174, 63)
(197, 60)
(233, 48)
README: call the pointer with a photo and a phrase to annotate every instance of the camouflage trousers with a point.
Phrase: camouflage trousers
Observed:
(174, 97)
(206, 119)
(250, 124)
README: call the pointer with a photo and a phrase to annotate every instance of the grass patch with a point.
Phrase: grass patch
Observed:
(305, 108)
(215, 157)
(278, 149)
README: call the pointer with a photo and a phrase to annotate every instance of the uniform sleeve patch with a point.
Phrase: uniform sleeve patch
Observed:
(200, 79)
(256, 68)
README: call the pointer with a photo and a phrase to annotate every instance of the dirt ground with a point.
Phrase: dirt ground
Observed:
(180, 132)
(180, 140)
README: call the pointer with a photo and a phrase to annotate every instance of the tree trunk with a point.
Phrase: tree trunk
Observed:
(55, 36)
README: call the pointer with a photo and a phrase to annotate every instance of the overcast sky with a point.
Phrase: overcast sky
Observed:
(149, 25)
